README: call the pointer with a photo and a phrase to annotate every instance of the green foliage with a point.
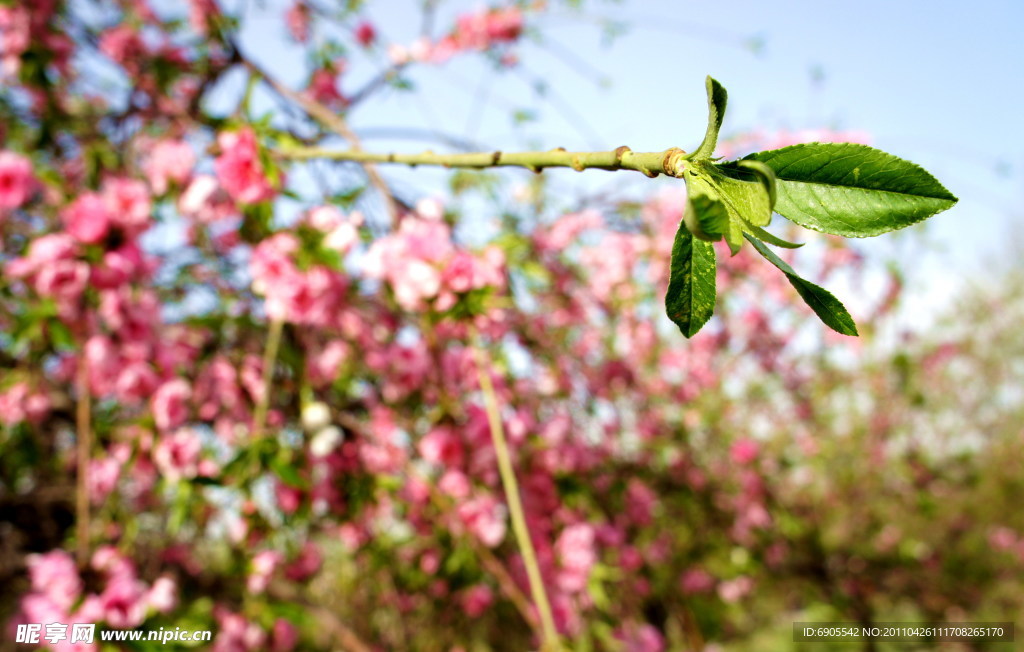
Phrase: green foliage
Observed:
(821, 301)
(691, 291)
(842, 189)
(852, 190)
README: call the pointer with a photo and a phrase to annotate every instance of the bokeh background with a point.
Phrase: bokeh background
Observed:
(338, 488)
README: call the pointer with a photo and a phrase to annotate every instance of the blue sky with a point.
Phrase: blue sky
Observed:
(937, 82)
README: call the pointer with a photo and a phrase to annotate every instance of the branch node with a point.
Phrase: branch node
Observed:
(620, 152)
(671, 163)
(577, 164)
(495, 157)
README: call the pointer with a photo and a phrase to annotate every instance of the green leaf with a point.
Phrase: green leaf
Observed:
(766, 175)
(287, 473)
(852, 190)
(771, 238)
(705, 217)
(690, 299)
(827, 307)
(742, 193)
(717, 99)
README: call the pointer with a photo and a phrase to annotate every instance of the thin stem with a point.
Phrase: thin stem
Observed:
(515, 505)
(83, 418)
(259, 416)
(669, 162)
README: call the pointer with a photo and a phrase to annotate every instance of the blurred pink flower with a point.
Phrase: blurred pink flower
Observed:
(366, 34)
(170, 404)
(485, 518)
(239, 169)
(128, 204)
(744, 451)
(177, 454)
(17, 183)
(577, 556)
(169, 161)
(54, 575)
(87, 218)
(476, 600)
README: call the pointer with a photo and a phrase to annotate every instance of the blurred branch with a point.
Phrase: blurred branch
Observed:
(334, 122)
(84, 435)
(515, 506)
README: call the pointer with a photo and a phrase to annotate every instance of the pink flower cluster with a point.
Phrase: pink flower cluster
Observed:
(20, 402)
(51, 266)
(17, 182)
(168, 161)
(421, 265)
(478, 32)
(124, 603)
(239, 168)
(312, 296)
(123, 204)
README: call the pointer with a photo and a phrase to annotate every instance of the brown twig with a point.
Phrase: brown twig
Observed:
(84, 432)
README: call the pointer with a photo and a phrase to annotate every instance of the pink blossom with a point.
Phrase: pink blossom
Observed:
(366, 34)
(284, 636)
(324, 367)
(204, 200)
(323, 88)
(20, 402)
(477, 599)
(123, 45)
(170, 404)
(217, 388)
(15, 36)
(458, 275)
(577, 555)
(124, 601)
(271, 264)
(162, 595)
(342, 237)
(87, 218)
(455, 484)
(177, 454)
(642, 638)
(55, 576)
(236, 634)
(485, 518)
(413, 282)
(1002, 538)
(312, 297)
(744, 451)
(239, 169)
(305, 565)
(695, 580)
(136, 382)
(43, 251)
(169, 161)
(201, 15)
(441, 446)
(128, 203)
(430, 209)
(103, 476)
(120, 266)
(17, 183)
(297, 21)
(263, 565)
(735, 589)
(288, 498)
